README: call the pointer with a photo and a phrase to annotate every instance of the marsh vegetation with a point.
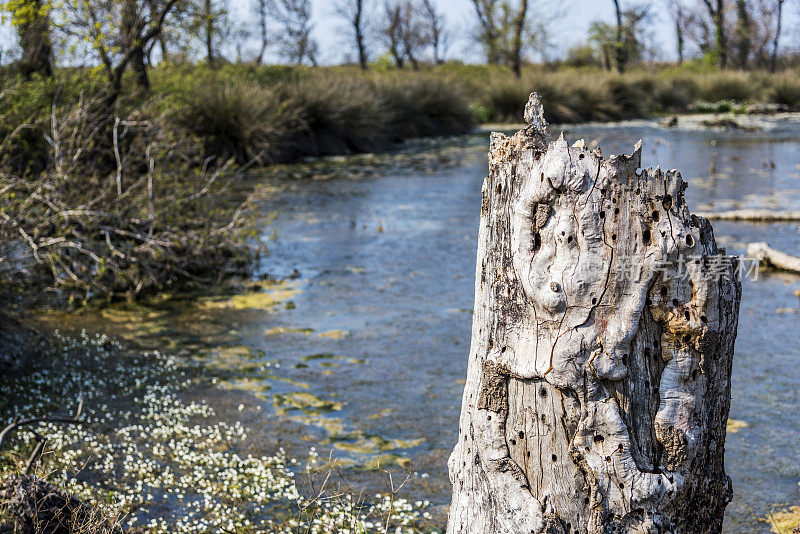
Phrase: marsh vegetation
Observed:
(277, 255)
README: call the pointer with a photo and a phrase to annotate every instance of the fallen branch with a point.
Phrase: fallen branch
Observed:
(40, 440)
(755, 215)
(771, 257)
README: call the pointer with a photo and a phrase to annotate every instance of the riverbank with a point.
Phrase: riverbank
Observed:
(361, 349)
(153, 211)
(281, 114)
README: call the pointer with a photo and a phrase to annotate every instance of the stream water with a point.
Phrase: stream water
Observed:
(363, 347)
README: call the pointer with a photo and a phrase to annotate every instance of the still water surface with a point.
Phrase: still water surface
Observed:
(365, 349)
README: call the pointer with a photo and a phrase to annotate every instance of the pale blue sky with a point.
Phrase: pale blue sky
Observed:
(332, 35)
(576, 16)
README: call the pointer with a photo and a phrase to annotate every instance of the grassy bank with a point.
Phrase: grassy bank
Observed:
(579, 95)
(114, 201)
(117, 201)
(280, 114)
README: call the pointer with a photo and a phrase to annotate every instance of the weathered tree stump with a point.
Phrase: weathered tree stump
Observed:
(598, 384)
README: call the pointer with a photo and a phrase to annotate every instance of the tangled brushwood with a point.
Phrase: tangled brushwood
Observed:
(98, 205)
(38, 506)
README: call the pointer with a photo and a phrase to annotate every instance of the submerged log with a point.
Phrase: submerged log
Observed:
(752, 215)
(598, 381)
(771, 257)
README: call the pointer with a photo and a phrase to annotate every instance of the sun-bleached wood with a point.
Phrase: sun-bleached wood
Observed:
(772, 257)
(752, 215)
(598, 382)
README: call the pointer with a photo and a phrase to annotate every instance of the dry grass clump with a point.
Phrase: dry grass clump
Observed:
(237, 119)
(423, 106)
(339, 115)
(786, 90)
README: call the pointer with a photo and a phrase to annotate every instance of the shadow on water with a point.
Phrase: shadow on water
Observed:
(364, 344)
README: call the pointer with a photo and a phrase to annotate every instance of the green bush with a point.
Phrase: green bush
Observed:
(423, 106)
(786, 90)
(735, 86)
(237, 119)
(338, 115)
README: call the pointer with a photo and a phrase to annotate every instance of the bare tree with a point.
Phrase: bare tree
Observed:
(505, 31)
(392, 32)
(297, 44)
(716, 10)
(413, 32)
(353, 11)
(773, 61)
(404, 32)
(31, 19)
(437, 31)
(489, 31)
(680, 17)
(261, 11)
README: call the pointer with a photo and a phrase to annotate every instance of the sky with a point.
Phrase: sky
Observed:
(332, 34)
(576, 16)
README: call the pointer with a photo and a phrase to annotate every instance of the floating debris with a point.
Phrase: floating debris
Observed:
(734, 425)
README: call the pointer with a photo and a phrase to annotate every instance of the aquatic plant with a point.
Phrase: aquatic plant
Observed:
(165, 463)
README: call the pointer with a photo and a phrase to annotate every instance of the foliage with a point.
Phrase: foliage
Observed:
(24, 12)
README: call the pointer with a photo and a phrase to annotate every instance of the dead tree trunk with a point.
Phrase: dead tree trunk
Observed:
(598, 383)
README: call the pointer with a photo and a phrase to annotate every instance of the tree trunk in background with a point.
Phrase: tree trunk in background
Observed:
(33, 29)
(131, 31)
(261, 12)
(744, 34)
(516, 43)
(773, 62)
(598, 382)
(679, 37)
(209, 32)
(620, 53)
(716, 9)
(358, 25)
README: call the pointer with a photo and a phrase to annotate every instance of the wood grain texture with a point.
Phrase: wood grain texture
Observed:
(598, 382)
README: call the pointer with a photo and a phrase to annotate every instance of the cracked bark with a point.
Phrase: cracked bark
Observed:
(598, 382)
